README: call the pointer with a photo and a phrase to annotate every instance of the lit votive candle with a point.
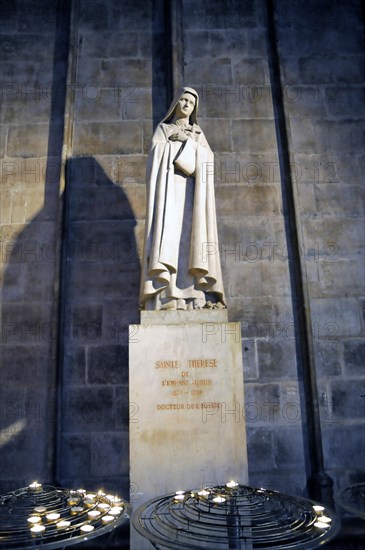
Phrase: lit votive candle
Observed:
(113, 498)
(63, 524)
(37, 530)
(203, 493)
(53, 516)
(35, 486)
(40, 509)
(321, 525)
(103, 506)
(34, 519)
(219, 500)
(232, 484)
(71, 501)
(93, 514)
(179, 498)
(87, 528)
(89, 502)
(115, 511)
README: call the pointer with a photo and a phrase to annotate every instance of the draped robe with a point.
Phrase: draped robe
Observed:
(175, 251)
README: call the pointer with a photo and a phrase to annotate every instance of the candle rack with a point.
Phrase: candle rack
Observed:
(46, 517)
(234, 516)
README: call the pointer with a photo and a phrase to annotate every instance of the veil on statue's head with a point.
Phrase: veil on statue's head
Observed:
(193, 119)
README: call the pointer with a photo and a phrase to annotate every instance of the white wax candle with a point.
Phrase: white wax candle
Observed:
(107, 519)
(63, 524)
(321, 525)
(325, 519)
(115, 511)
(87, 528)
(40, 509)
(77, 510)
(34, 519)
(93, 514)
(318, 509)
(53, 516)
(37, 529)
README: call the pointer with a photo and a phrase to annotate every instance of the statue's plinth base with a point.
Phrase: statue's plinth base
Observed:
(187, 427)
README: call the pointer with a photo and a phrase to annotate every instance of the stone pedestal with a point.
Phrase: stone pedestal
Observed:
(187, 427)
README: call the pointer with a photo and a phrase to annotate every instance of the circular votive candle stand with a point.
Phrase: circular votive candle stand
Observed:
(46, 517)
(234, 516)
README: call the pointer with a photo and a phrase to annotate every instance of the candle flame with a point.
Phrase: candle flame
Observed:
(219, 500)
(232, 484)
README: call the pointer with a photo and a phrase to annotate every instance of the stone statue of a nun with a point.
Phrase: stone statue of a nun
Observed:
(181, 263)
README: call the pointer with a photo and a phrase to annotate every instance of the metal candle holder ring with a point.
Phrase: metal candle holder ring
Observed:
(42, 516)
(236, 517)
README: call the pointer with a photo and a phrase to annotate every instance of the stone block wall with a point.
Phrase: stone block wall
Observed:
(31, 128)
(321, 53)
(106, 207)
(231, 72)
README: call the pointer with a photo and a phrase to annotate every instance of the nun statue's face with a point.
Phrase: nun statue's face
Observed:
(185, 106)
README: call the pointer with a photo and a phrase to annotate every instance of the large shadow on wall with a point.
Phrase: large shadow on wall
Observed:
(83, 429)
(82, 334)
(29, 241)
(27, 350)
(99, 298)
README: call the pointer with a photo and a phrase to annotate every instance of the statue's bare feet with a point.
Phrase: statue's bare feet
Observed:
(198, 303)
(181, 304)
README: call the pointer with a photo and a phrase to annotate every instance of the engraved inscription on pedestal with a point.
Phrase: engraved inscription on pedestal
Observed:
(184, 384)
